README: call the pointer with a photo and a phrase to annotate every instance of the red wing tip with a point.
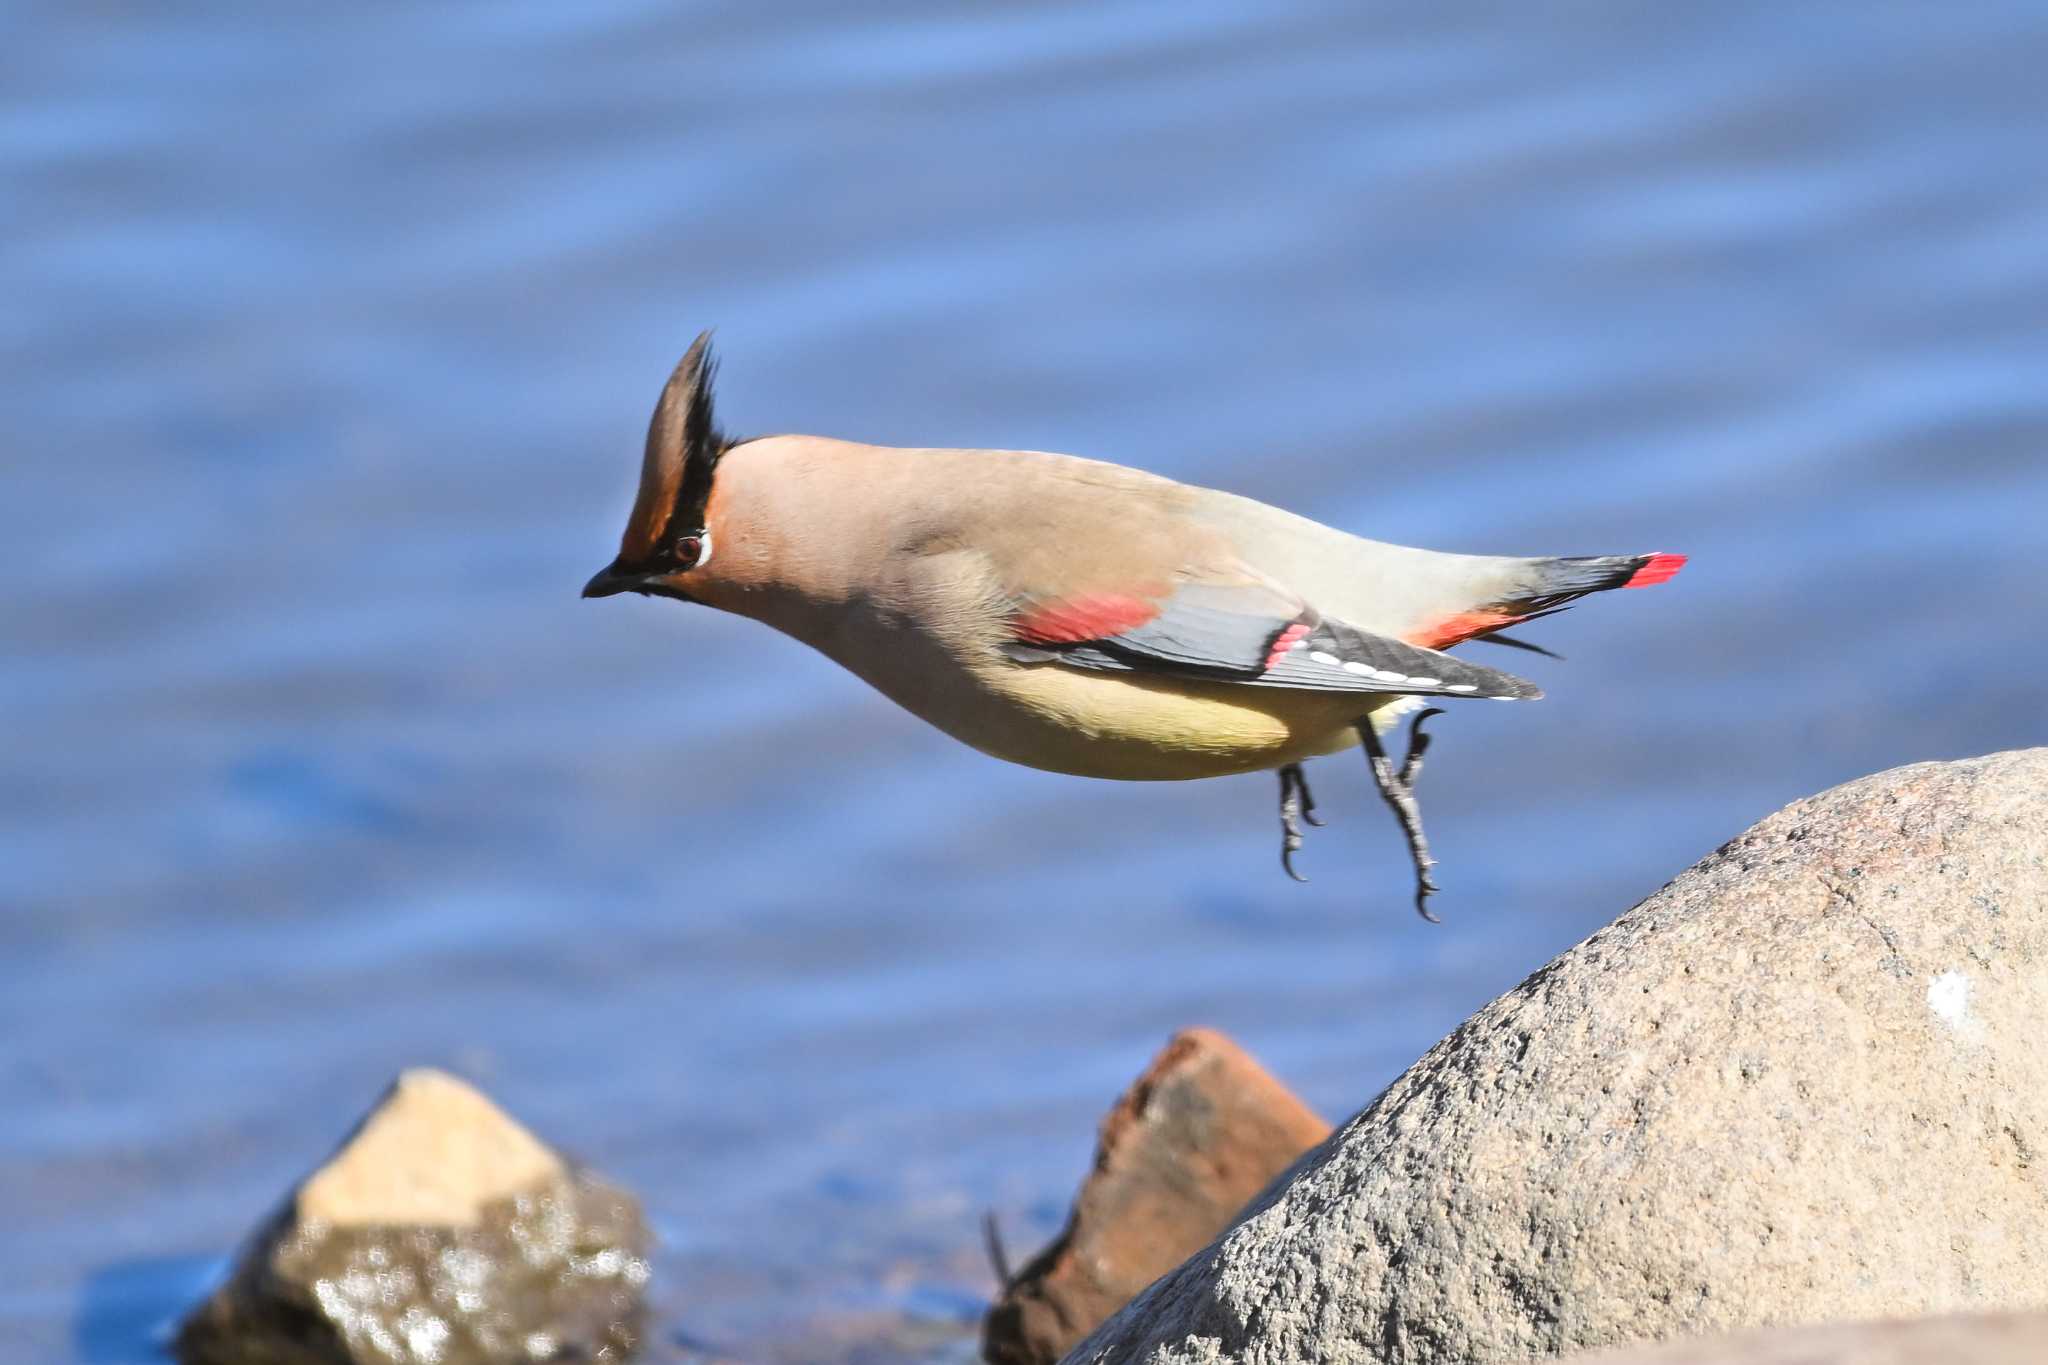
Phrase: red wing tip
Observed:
(1656, 569)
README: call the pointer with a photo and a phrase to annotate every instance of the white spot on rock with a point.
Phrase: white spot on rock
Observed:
(1948, 995)
(425, 1334)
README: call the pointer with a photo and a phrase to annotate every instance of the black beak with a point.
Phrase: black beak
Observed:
(611, 580)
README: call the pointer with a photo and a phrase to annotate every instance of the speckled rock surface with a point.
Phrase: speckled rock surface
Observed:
(1202, 1130)
(441, 1233)
(1805, 1082)
(1962, 1339)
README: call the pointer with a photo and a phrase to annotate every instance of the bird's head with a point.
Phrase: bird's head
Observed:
(668, 536)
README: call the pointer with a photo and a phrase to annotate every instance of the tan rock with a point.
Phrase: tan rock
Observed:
(1804, 1082)
(1200, 1132)
(1979, 1339)
(433, 1153)
(442, 1233)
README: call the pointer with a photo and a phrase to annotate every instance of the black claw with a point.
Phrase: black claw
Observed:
(1307, 808)
(1287, 860)
(1418, 745)
(1397, 789)
(1296, 802)
(1425, 887)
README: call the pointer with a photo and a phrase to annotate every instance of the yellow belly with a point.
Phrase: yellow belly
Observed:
(1134, 728)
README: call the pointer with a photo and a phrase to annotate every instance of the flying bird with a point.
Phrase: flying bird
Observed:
(1083, 617)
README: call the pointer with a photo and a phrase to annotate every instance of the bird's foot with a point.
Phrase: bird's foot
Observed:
(1397, 788)
(1297, 803)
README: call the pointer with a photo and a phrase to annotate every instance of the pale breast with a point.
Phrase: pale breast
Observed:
(1139, 728)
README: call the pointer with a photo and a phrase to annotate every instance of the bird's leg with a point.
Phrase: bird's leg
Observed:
(1398, 790)
(1296, 803)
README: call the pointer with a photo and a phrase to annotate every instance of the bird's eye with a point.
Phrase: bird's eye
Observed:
(688, 549)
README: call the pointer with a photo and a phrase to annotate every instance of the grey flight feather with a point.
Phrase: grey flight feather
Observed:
(1207, 632)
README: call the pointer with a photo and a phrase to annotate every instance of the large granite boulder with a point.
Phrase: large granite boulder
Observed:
(441, 1233)
(1200, 1132)
(1804, 1082)
(1962, 1339)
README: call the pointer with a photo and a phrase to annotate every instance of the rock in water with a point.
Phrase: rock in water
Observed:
(1202, 1131)
(441, 1233)
(1802, 1083)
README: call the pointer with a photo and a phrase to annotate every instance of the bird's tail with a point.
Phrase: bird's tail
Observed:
(1552, 585)
(1558, 581)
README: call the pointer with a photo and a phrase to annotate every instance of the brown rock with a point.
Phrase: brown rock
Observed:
(1803, 1083)
(1202, 1131)
(1980, 1339)
(441, 1233)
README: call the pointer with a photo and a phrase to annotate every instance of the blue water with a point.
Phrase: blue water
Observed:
(327, 343)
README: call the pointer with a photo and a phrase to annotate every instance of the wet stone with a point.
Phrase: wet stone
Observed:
(441, 1233)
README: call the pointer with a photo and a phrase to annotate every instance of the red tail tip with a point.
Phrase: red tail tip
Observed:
(1655, 570)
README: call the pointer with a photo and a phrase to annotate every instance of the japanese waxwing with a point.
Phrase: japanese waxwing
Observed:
(1083, 617)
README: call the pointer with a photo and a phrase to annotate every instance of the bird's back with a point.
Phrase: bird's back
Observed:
(1062, 521)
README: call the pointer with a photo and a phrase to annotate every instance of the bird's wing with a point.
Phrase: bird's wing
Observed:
(1237, 629)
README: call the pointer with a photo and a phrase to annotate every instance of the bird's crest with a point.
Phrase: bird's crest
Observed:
(683, 448)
